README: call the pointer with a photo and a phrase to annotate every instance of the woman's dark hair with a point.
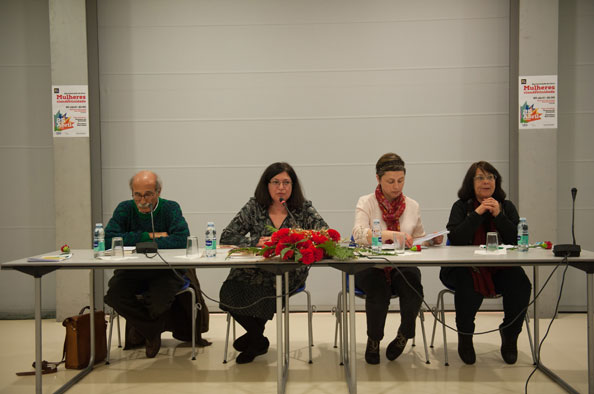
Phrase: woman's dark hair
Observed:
(263, 196)
(466, 192)
(389, 162)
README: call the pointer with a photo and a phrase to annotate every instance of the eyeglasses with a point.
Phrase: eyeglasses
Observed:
(146, 196)
(481, 178)
(276, 183)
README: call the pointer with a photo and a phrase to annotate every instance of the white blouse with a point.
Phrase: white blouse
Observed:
(368, 210)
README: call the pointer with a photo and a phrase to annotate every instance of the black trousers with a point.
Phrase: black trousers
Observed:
(511, 283)
(254, 326)
(378, 292)
(148, 313)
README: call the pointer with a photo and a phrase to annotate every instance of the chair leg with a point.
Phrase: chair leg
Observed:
(193, 293)
(422, 319)
(435, 316)
(527, 319)
(227, 336)
(338, 316)
(309, 324)
(111, 317)
(119, 331)
(443, 326)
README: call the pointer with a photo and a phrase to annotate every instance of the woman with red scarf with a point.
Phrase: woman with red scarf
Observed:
(482, 208)
(397, 214)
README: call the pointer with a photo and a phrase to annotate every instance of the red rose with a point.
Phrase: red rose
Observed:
(335, 235)
(269, 253)
(283, 232)
(318, 239)
(318, 254)
(289, 254)
(305, 244)
(279, 248)
(548, 244)
(307, 256)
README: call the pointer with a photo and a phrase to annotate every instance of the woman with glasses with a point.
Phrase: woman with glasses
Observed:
(398, 214)
(482, 208)
(278, 202)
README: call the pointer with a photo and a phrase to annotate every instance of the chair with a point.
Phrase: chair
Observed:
(440, 308)
(186, 288)
(309, 324)
(361, 294)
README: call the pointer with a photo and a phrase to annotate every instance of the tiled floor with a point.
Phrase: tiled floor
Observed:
(172, 371)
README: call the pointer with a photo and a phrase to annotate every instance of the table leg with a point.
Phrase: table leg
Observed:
(345, 326)
(353, 340)
(89, 367)
(590, 291)
(279, 335)
(536, 310)
(38, 380)
(286, 338)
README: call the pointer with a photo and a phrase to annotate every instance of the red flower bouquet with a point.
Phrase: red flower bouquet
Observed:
(304, 246)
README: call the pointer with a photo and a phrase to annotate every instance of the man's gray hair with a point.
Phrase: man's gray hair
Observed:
(158, 186)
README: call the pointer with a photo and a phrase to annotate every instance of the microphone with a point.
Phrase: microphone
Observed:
(569, 250)
(151, 246)
(284, 204)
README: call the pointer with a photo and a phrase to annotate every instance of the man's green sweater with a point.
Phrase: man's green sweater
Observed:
(134, 226)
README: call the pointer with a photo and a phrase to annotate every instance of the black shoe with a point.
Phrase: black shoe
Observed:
(396, 347)
(466, 349)
(372, 352)
(241, 344)
(152, 346)
(252, 352)
(509, 348)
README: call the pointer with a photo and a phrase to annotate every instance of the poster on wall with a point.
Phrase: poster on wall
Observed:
(538, 102)
(70, 110)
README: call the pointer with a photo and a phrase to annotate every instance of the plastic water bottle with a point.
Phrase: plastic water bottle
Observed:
(98, 240)
(523, 242)
(376, 236)
(211, 240)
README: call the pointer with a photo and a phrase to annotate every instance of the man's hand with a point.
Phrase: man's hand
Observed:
(158, 235)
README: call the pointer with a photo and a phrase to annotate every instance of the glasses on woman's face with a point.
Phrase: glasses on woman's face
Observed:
(482, 178)
(277, 183)
(146, 196)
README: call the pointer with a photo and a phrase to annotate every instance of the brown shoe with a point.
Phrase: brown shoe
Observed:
(152, 346)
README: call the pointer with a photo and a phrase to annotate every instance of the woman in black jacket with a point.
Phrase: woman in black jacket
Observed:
(482, 208)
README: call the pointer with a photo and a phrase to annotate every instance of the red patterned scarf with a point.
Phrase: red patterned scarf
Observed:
(483, 276)
(391, 212)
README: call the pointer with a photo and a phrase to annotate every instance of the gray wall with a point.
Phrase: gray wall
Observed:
(576, 134)
(209, 93)
(27, 226)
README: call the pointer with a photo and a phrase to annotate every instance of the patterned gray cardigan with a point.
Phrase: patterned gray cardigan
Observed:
(250, 224)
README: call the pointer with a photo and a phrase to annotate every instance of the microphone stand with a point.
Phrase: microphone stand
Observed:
(151, 246)
(284, 204)
(569, 250)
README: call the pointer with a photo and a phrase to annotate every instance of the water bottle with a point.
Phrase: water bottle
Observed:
(98, 240)
(376, 236)
(523, 242)
(211, 240)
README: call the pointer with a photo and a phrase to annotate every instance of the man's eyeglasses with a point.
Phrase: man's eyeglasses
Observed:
(146, 196)
(481, 178)
(276, 183)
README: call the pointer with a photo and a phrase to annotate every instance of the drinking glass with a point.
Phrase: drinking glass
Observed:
(192, 247)
(492, 242)
(399, 243)
(117, 247)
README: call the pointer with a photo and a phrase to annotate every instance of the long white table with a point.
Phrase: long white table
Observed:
(466, 256)
(83, 259)
(436, 256)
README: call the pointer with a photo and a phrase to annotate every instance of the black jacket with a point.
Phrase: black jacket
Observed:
(464, 222)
